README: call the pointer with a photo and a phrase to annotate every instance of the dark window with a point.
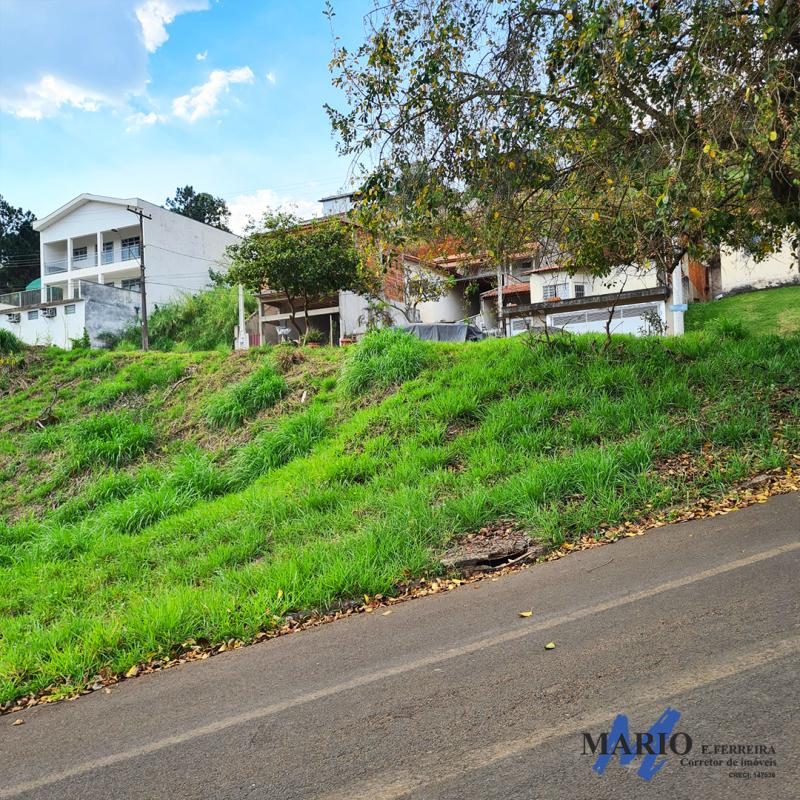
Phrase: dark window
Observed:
(79, 254)
(33, 315)
(133, 284)
(70, 309)
(108, 252)
(580, 290)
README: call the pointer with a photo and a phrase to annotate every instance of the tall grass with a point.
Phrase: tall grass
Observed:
(9, 343)
(382, 359)
(259, 391)
(202, 321)
(336, 501)
(113, 439)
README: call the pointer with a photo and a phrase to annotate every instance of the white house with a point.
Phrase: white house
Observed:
(96, 240)
(738, 272)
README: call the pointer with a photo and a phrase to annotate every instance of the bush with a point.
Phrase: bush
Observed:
(9, 343)
(112, 439)
(382, 359)
(203, 321)
(260, 391)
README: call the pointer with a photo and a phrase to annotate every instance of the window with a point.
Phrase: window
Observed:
(110, 283)
(108, 252)
(130, 248)
(33, 314)
(580, 290)
(133, 284)
(70, 309)
(79, 254)
(559, 290)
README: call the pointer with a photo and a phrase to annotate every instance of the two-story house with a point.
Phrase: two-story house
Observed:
(90, 252)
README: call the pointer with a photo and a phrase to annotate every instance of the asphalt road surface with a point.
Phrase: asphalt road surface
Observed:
(454, 695)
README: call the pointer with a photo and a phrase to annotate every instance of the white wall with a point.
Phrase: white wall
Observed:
(449, 308)
(739, 271)
(43, 331)
(631, 279)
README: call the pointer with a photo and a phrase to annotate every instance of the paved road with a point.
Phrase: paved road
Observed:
(454, 696)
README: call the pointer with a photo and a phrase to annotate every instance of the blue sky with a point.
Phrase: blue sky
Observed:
(136, 97)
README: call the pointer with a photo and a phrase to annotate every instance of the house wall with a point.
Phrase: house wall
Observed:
(108, 310)
(739, 271)
(448, 308)
(43, 331)
(179, 252)
(610, 284)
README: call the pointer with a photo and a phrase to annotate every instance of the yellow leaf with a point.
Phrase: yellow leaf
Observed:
(280, 594)
(550, 646)
(569, 16)
(773, 136)
(132, 672)
(595, 216)
(609, 182)
(695, 212)
(526, 613)
(511, 165)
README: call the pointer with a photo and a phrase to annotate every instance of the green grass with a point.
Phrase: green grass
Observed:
(197, 322)
(257, 392)
(762, 312)
(357, 488)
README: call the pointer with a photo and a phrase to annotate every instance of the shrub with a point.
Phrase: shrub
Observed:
(381, 359)
(259, 391)
(9, 343)
(113, 439)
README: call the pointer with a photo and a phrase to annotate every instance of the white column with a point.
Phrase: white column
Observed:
(677, 298)
(243, 342)
(99, 256)
(70, 284)
(43, 288)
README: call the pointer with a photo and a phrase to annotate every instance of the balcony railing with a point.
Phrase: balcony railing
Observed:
(107, 258)
(30, 297)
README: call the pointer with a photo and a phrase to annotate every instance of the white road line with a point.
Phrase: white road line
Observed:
(389, 672)
(435, 771)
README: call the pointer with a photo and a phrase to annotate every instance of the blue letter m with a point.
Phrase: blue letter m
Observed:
(619, 739)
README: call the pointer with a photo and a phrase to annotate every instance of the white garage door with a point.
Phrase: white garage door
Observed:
(626, 319)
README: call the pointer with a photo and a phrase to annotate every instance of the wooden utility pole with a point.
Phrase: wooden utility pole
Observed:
(142, 216)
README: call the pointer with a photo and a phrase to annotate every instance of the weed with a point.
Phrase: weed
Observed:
(259, 391)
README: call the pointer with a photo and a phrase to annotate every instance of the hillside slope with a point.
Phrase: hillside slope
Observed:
(167, 500)
(760, 312)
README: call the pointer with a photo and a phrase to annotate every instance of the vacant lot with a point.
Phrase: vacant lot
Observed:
(156, 503)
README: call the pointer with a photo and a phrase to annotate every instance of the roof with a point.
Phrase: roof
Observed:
(341, 196)
(512, 288)
(549, 268)
(81, 200)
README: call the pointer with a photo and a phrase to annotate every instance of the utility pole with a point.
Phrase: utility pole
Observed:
(243, 341)
(142, 216)
(678, 306)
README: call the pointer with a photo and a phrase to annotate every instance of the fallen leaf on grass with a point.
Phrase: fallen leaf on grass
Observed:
(550, 646)
(132, 672)
(526, 613)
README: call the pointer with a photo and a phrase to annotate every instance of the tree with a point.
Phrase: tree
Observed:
(301, 260)
(19, 247)
(200, 206)
(622, 131)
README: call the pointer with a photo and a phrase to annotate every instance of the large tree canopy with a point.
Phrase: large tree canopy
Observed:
(19, 247)
(201, 206)
(621, 131)
(304, 261)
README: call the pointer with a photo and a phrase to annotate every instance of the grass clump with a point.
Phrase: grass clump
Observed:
(261, 390)
(113, 439)
(9, 343)
(382, 359)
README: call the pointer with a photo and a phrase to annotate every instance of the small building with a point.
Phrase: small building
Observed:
(736, 271)
(94, 239)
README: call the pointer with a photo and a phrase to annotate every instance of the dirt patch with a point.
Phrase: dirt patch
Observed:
(491, 547)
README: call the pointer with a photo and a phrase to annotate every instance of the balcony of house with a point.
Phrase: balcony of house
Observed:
(100, 253)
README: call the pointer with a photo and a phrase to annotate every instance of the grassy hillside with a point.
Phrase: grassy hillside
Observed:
(165, 499)
(762, 312)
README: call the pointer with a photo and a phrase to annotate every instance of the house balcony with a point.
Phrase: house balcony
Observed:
(116, 249)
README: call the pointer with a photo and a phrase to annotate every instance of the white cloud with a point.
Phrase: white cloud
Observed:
(48, 96)
(135, 122)
(271, 77)
(202, 56)
(79, 55)
(252, 206)
(155, 15)
(201, 101)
